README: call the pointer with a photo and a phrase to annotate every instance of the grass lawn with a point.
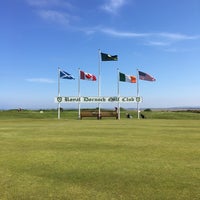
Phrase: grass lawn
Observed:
(108, 159)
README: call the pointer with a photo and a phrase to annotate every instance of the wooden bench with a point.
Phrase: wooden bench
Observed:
(109, 114)
(89, 114)
(96, 114)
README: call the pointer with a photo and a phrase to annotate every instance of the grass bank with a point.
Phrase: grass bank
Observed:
(99, 159)
(73, 114)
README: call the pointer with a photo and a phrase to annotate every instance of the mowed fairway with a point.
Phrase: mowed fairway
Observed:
(99, 159)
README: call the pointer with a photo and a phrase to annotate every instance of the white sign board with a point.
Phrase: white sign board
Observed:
(114, 99)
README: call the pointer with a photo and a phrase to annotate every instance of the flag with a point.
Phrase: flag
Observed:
(145, 76)
(87, 76)
(108, 57)
(127, 78)
(65, 75)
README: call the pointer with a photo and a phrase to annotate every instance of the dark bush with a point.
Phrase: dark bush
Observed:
(148, 110)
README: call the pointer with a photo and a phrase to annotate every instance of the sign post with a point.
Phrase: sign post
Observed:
(97, 99)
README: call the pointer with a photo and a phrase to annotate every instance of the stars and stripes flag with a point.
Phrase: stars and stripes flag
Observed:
(145, 77)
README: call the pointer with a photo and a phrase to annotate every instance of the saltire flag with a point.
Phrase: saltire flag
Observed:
(65, 75)
(108, 57)
(145, 76)
(127, 78)
(87, 76)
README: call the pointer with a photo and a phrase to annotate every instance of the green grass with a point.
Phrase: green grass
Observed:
(46, 158)
(73, 114)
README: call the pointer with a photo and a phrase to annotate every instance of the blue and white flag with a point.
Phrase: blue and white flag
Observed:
(65, 75)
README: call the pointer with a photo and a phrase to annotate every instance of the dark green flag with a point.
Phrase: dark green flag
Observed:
(107, 57)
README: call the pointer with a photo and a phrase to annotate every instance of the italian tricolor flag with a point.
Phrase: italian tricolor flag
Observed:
(127, 78)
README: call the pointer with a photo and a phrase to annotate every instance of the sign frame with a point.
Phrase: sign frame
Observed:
(96, 99)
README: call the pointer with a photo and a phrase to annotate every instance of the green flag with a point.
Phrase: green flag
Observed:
(108, 57)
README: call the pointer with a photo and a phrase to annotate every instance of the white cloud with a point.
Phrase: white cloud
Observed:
(123, 34)
(53, 10)
(112, 6)
(157, 43)
(40, 80)
(48, 3)
(151, 39)
(54, 16)
(39, 3)
(169, 36)
(178, 36)
(182, 50)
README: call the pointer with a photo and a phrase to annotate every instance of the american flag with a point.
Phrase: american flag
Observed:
(145, 76)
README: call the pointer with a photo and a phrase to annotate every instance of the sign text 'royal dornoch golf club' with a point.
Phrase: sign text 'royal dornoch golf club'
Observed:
(98, 99)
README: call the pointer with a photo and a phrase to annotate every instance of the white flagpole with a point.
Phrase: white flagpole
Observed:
(138, 109)
(99, 81)
(58, 92)
(118, 94)
(79, 106)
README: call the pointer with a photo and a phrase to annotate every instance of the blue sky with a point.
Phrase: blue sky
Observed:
(159, 37)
